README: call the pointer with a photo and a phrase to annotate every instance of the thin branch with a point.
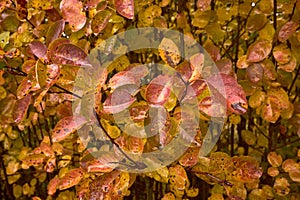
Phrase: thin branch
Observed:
(294, 80)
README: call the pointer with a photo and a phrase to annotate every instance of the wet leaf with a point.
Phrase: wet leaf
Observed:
(72, 12)
(71, 178)
(125, 8)
(66, 126)
(287, 30)
(100, 21)
(259, 50)
(169, 52)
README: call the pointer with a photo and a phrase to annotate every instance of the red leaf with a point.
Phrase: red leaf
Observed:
(21, 107)
(55, 31)
(119, 100)
(72, 12)
(259, 50)
(66, 53)
(66, 126)
(287, 30)
(125, 8)
(131, 76)
(159, 90)
(235, 96)
(38, 49)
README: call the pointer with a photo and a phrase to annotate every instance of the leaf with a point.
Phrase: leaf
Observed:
(55, 31)
(203, 4)
(178, 178)
(72, 12)
(169, 52)
(21, 107)
(33, 160)
(257, 99)
(125, 8)
(242, 62)
(274, 159)
(119, 100)
(102, 185)
(295, 175)
(131, 76)
(255, 72)
(168, 196)
(190, 157)
(121, 184)
(4, 39)
(38, 49)
(38, 4)
(282, 53)
(259, 50)
(256, 22)
(71, 178)
(159, 90)
(50, 165)
(197, 63)
(66, 126)
(47, 80)
(246, 169)
(100, 161)
(248, 137)
(287, 30)
(68, 54)
(100, 21)
(290, 66)
(235, 96)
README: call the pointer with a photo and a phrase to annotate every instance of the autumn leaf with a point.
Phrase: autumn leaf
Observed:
(38, 49)
(55, 31)
(100, 21)
(197, 63)
(72, 12)
(66, 126)
(169, 52)
(125, 8)
(259, 50)
(21, 107)
(287, 30)
(71, 178)
(159, 90)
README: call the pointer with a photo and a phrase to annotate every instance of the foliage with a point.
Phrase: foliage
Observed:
(255, 47)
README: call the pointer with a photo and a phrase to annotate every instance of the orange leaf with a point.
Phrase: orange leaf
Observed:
(66, 126)
(71, 178)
